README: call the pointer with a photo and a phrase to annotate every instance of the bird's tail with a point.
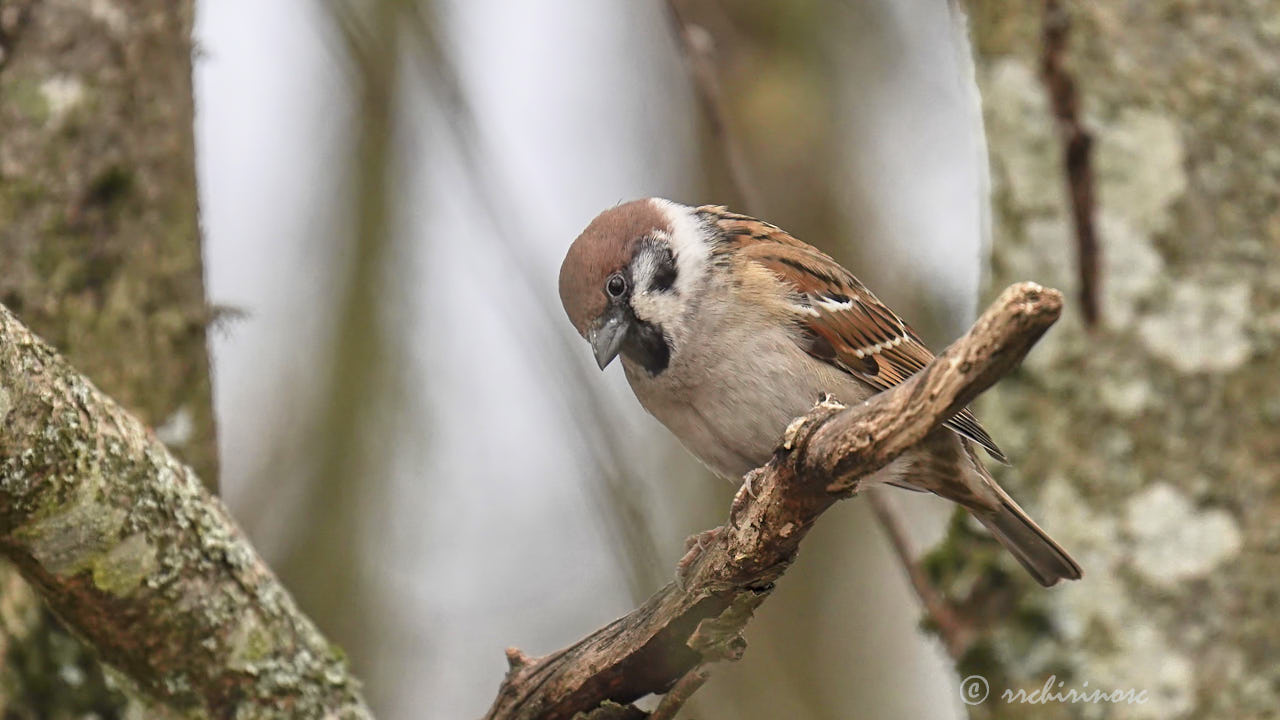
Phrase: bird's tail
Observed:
(1039, 554)
(949, 466)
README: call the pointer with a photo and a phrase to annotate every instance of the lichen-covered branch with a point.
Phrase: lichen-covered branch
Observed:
(700, 617)
(128, 548)
(100, 254)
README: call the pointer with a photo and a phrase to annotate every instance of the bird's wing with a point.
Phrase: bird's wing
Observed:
(845, 324)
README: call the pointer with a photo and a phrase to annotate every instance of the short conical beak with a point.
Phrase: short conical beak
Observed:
(606, 339)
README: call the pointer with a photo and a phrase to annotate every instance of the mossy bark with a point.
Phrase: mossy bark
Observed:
(129, 549)
(1147, 444)
(100, 253)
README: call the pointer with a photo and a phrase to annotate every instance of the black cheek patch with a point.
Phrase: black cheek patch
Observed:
(646, 345)
(664, 278)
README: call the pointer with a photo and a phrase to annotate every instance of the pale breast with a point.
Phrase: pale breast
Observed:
(729, 395)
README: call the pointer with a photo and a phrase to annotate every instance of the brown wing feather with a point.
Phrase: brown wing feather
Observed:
(846, 324)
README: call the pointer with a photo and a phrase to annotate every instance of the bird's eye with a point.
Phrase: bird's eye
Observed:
(616, 286)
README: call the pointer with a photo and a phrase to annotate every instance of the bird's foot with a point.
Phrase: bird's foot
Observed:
(744, 496)
(694, 545)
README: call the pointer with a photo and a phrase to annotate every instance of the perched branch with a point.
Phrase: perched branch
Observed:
(127, 547)
(822, 458)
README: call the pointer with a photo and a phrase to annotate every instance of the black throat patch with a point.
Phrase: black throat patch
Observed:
(647, 346)
(646, 343)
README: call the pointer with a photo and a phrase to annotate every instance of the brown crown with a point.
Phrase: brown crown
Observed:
(605, 247)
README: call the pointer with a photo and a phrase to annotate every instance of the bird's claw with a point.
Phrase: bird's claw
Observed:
(694, 546)
(744, 496)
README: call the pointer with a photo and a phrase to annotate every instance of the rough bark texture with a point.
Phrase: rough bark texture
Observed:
(123, 542)
(700, 618)
(1147, 446)
(98, 230)
(99, 252)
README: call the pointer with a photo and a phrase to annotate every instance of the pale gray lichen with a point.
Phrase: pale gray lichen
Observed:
(1175, 542)
(1132, 268)
(1018, 112)
(1092, 539)
(1202, 328)
(62, 94)
(1137, 654)
(5, 404)
(1140, 163)
(1126, 397)
(177, 430)
(1044, 254)
(110, 15)
(1144, 660)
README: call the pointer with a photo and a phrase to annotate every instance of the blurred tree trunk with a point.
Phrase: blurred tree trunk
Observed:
(100, 254)
(353, 430)
(1146, 444)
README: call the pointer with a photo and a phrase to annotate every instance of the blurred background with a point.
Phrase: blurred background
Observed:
(409, 427)
(315, 246)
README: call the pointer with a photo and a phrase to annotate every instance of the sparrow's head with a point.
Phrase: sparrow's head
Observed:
(627, 280)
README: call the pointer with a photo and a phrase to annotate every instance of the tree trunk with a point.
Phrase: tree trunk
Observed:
(1145, 444)
(100, 254)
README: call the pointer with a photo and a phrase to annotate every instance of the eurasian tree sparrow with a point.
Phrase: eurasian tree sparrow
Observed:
(729, 328)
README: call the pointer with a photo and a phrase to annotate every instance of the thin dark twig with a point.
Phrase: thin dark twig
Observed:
(954, 633)
(1076, 151)
(679, 694)
(698, 50)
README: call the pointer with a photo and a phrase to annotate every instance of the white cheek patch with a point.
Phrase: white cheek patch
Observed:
(643, 267)
(663, 308)
(659, 308)
(688, 244)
